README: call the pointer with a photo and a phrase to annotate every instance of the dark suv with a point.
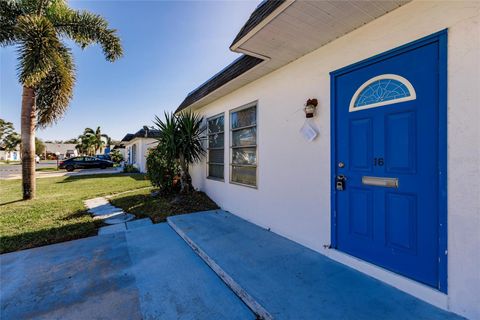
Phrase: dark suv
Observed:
(84, 163)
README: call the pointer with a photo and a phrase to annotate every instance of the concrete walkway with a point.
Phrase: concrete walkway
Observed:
(174, 283)
(83, 279)
(235, 267)
(289, 281)
(115, 217)
(143, 273)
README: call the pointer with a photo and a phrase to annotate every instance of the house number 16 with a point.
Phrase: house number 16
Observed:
(378, 162)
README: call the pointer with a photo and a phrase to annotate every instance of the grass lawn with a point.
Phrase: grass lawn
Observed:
(58, 213)
(48, 169)
(158, 208)
(2, 162)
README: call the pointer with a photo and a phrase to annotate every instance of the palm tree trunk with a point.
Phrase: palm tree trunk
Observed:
(185, 179)
(28, 143)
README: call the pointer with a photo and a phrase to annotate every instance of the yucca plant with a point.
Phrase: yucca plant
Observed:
(181, 139)
(46, 69)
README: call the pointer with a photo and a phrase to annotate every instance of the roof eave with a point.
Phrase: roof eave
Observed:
(236, 69)
(258, 19)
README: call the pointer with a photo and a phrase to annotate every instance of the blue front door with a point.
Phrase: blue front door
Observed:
(386, 161)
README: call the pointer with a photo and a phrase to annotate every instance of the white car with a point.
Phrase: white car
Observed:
(37, 158)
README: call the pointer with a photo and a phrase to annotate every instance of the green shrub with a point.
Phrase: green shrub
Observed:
(180, 144)
(130, 168)
(116, 156)
(161, 171)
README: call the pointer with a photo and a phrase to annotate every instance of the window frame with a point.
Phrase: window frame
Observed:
(386, 76)
(231, 147)
(134, 154)
(222, 114)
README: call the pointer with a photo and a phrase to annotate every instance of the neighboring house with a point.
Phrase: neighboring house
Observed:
(64, 150)
(137, 146)
(14, 155)
(366, 180)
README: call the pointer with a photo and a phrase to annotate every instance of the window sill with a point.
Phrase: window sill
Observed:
(244, 185)
(216, 179)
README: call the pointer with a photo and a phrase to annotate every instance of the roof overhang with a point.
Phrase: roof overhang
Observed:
(279, 32)
(128, 137)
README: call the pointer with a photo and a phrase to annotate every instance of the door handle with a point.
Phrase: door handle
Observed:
(340, 182)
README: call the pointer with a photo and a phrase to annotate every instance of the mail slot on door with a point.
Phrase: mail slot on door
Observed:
(380, 182)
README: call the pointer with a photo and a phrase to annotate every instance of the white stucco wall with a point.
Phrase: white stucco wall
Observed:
(10, 155)
(143, 144)
(293, 195)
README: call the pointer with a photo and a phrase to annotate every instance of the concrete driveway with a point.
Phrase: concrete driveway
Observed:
(145, 273)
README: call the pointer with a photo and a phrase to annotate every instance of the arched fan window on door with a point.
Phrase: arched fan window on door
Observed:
(382, 90)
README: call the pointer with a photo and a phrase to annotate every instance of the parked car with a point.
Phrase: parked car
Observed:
(84, 163)
(103, 157)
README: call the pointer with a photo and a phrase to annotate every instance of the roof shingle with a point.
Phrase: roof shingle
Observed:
(235, 69)
(263, 10)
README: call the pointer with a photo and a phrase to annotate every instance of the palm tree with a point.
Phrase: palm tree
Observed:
(87, 142)
(96, 138)
(46, 69)
(83, 144)
(108, 140)
(181, 138)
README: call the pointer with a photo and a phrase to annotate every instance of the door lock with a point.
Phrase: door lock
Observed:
(340, 182)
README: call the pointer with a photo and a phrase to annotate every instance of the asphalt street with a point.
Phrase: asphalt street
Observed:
(14, 171)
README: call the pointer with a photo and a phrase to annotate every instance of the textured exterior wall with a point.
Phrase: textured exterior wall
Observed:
(143, 144)
(293, 194)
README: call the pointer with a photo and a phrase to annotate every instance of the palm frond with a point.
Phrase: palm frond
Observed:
(86, 28)
(88, 131)
(168, 134)
(9, 13)
(39, 48)
(37, 7)
(108, 138)
(191, 129)
(56, 90)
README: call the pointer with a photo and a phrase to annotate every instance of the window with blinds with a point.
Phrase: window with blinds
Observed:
(216, 147)
(243, 143)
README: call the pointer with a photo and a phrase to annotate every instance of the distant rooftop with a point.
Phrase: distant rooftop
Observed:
(62, 148)
(142, 133)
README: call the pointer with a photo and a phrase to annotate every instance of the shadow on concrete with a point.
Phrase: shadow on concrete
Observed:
(85, 279)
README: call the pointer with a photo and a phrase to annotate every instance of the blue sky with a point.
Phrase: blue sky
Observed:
(171, 47)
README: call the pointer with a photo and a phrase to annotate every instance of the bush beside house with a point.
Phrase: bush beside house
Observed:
(180, 144)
